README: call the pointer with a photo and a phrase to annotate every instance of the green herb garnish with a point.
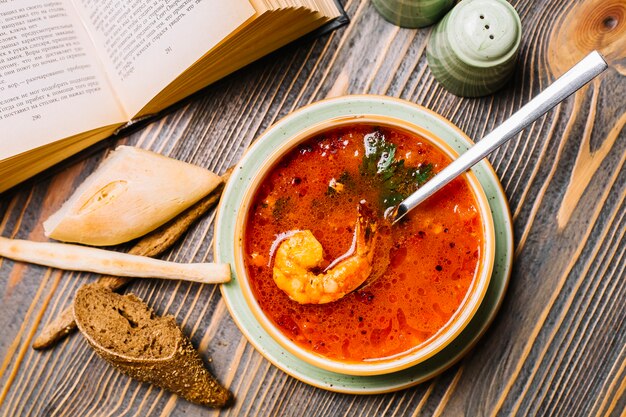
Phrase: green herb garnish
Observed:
(279, 207)
(396, 180)
(343, 183)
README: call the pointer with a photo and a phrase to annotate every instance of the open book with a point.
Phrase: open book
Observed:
(74, 71)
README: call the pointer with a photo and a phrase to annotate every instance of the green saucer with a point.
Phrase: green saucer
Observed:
(225, 244)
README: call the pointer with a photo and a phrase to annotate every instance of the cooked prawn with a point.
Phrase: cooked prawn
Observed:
(300, 253)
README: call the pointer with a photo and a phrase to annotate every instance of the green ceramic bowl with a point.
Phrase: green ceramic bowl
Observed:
(227, 245)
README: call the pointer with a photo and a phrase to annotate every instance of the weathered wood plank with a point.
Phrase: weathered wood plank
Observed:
(557, 346)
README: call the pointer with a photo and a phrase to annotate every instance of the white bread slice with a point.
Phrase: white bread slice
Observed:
(133, 192)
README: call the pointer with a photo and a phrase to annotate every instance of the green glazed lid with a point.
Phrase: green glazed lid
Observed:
(472, 51)
(484, 32)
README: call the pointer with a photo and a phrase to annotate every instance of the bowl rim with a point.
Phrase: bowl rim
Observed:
(455, 325)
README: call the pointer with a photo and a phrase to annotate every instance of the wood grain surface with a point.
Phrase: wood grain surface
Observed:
(558, 344)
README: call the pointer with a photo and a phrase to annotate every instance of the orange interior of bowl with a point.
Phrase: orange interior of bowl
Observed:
(446, 333)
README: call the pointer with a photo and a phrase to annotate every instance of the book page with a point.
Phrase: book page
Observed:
(146, 44)
(52, 85)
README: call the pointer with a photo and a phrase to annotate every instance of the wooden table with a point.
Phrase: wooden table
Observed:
(558, 344)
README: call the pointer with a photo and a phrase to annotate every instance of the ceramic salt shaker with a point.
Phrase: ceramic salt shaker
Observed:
(472, 52)
(413, 13)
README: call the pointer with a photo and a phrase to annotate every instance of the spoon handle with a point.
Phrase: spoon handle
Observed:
(579, 75)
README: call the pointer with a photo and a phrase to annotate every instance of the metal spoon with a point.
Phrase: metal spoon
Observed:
(574, 79)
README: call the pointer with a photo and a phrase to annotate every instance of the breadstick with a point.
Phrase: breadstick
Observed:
(102, 261)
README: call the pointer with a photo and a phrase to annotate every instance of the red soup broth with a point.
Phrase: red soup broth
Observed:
(423, 266)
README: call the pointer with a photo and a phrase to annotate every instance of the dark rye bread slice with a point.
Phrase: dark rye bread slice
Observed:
(127, 333)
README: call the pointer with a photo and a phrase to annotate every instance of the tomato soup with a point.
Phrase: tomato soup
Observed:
(422, 267)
